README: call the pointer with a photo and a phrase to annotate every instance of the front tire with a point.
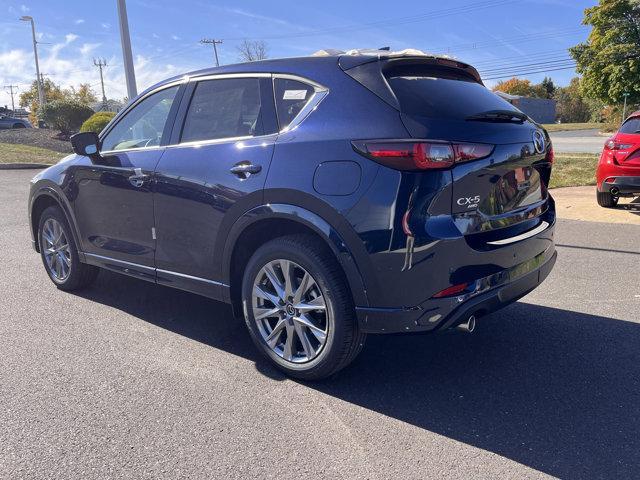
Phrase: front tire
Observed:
(606, 199)
(298, 308)
(59, 252)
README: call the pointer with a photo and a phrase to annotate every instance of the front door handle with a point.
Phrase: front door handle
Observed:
(138, 178)
(245, 169)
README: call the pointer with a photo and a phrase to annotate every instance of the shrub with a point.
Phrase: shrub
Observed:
(65, 115)
(97, 121)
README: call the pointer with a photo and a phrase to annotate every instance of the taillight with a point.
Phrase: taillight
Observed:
(550, 155)
(421, 155)
(611, 144)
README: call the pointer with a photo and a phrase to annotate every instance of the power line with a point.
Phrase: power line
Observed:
(391, 21)
(529, 65)
(530, 72)
(11, 92)
(214, 42)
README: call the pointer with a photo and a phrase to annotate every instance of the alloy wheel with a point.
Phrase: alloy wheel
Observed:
(290, 311)
(56, 250)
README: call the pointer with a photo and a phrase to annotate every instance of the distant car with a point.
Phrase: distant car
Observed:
(325, 198)
(618, 173)
(11, 122)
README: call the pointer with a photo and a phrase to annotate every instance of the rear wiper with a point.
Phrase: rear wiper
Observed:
(498, 116)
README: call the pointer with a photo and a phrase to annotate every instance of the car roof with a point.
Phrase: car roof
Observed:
(633, 115)
(308, 66)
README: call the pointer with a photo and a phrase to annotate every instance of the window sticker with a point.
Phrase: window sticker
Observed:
(294, 95)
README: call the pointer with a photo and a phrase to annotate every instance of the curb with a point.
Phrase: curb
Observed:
(23, 166)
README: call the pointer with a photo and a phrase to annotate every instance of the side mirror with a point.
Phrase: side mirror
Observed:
(86, 144)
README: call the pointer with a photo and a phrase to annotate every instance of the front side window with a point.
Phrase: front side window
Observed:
(291, 97)
(143, 125)
(225, 108)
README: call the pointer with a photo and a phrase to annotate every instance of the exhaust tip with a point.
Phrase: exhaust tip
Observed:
(614, 190)
(468, 326)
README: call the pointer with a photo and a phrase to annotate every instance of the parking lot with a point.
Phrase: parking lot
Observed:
(132, 380)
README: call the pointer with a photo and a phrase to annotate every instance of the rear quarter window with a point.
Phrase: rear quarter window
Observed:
(431, 96)
(291, 97)
(631, 126)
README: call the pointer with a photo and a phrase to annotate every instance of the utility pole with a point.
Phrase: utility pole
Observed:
(214, 42)
(11, 92)
(41, 99)
(624, 109)
(100, 63)
(127, 56)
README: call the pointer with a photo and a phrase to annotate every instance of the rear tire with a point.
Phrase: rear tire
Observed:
(606, 199)
(59, 252)
(304, 342)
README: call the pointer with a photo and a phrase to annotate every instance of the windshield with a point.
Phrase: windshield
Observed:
(444, 98)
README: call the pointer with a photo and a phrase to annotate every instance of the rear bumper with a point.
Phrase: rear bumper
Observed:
(491, 294)
(624, 184)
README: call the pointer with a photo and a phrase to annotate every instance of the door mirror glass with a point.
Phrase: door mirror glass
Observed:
(85, 143)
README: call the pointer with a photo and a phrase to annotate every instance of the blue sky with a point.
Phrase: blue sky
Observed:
(499, 37)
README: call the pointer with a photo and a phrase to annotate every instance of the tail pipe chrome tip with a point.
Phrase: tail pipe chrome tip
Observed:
(614, 191)
(468, 326)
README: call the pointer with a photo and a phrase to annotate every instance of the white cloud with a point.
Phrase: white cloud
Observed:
(175, 37)
(70, 37)
(87, 48)
(79, 21)
(105, 25)
(155, 35)
(24, 9)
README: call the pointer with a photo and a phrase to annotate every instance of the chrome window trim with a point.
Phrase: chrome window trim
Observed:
(320, 92)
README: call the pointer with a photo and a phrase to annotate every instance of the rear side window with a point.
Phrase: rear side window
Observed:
(428, 96)
(291, 97)
(224, 108)
(631, 126)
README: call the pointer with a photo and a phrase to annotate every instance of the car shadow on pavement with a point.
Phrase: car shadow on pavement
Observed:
(556, 390)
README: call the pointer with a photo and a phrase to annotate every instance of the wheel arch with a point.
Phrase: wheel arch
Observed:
(41, 200)
(267, 222)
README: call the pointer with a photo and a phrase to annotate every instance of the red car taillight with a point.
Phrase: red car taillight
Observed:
(421, 155)
(613, 145)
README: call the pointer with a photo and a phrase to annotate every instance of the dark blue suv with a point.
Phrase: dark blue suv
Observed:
(325, 198)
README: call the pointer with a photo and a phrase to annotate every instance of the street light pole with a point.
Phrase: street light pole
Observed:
(127, 56)
(624, 109)
(41, 99)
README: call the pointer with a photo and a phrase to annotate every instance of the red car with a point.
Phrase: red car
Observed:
(618, 171)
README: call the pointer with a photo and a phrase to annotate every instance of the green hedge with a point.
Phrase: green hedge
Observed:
(97, 121)
(65, 115)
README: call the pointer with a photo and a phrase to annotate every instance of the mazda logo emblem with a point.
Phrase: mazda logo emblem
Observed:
(539, 142)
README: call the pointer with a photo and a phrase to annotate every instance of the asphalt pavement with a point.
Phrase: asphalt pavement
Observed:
(132, 380)
(578, 141)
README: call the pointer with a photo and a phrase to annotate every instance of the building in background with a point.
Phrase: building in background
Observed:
(542, 110)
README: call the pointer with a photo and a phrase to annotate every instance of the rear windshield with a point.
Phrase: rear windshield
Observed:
(631, 126)
(443, 97)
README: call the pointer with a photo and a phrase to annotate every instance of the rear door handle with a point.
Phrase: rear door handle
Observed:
(138, 178)
(245, 169)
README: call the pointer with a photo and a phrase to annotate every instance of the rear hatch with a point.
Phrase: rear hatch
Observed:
(444, 101)
(626, 143)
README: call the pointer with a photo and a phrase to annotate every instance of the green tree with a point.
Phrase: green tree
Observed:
(609, 60)
(548, 87)
(65, 115)
(83, 94)
(53, 92)
(571, 106)
(516, 86)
